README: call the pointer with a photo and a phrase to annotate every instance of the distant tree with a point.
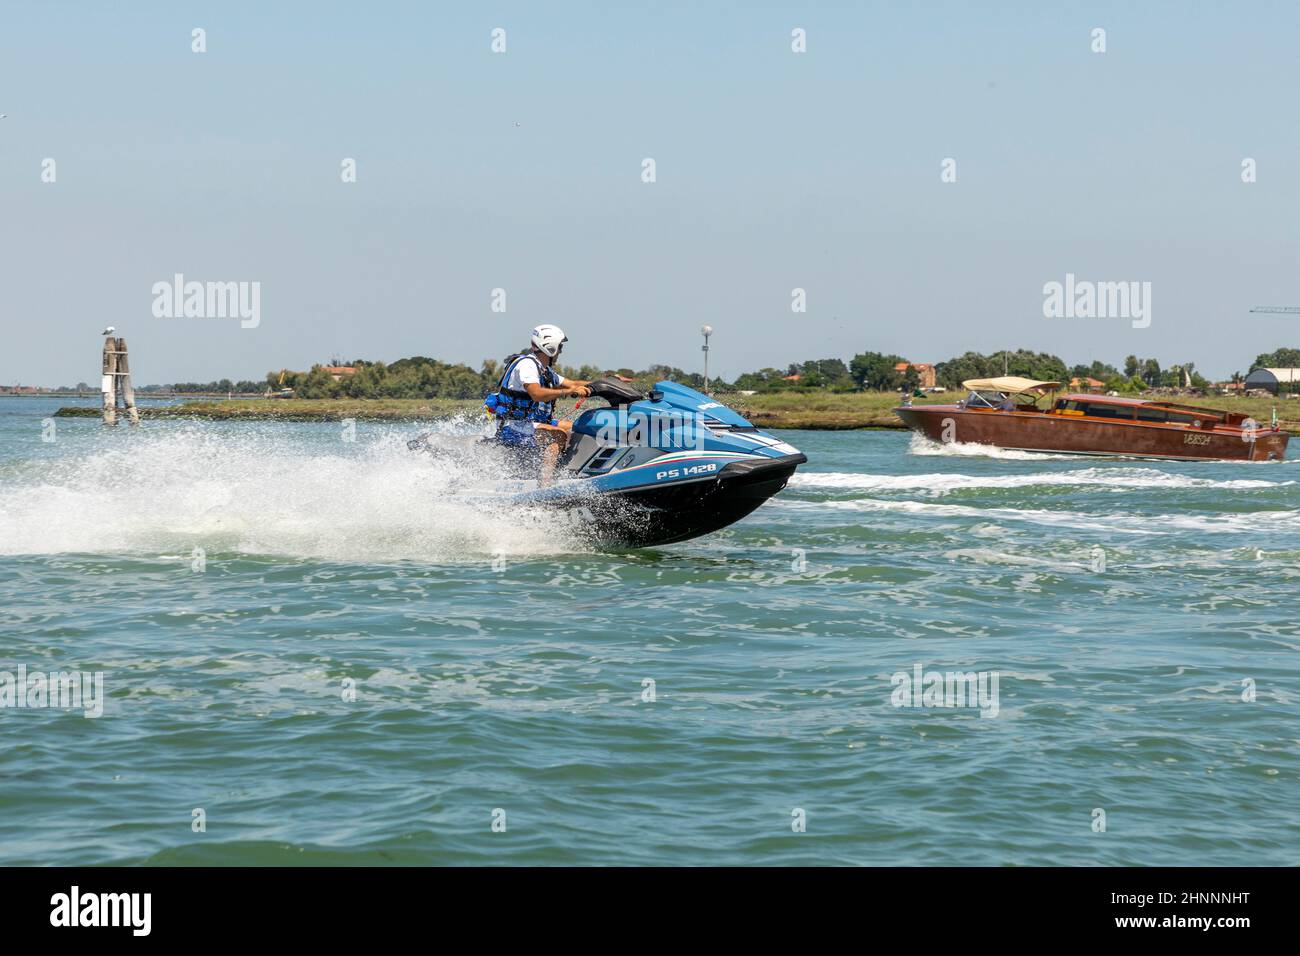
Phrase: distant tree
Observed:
(1150, 372)
(660, 373)
(589, 373)
(1101, 371)
(1118, 383)
(1036, 365)
(317, 383)
(1183, 376)
(826, 373)
(876, 372)
(765, 379)
(423, 377)
(1282, 358)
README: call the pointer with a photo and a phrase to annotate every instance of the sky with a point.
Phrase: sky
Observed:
(523, 170)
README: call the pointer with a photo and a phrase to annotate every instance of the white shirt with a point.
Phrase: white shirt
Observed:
(524, 373)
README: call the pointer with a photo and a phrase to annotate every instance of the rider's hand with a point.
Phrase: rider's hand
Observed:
(623, 378)
(580, 391)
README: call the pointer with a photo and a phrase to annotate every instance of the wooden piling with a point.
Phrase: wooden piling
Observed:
(117, 382)
(109, 382)
(124, 387)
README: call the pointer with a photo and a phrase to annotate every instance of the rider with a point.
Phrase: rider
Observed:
(524, 402)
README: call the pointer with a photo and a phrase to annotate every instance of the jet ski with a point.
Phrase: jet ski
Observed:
(668, 466)
(652, 469)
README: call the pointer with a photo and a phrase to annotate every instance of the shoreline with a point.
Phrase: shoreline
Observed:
(810, 412)
(423, 410)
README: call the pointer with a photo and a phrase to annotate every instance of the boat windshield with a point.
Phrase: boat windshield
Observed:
(1007, 401)
(983, 400)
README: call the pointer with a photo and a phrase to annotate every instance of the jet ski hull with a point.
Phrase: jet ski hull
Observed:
(644, 516)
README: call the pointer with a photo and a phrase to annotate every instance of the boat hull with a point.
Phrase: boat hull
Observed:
(1042, 432)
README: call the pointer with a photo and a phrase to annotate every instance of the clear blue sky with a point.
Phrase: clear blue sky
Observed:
(775, 170)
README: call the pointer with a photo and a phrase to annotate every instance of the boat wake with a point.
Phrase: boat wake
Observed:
(1285, 522)
(262, 492)
(920, 445)
(1116, 480)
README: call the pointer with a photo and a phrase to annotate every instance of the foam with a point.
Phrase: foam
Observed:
(260, 490)
(1112, 479)
(1151, 524)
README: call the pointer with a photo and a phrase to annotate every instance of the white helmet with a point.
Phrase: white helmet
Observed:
(549, 339)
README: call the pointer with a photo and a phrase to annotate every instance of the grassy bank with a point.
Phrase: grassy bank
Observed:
(826, 411)
(819, 411)
(863, 410)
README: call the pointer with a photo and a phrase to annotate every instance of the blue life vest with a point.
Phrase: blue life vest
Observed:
(509, 404)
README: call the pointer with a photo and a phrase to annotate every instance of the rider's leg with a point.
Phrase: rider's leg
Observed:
(552, 439)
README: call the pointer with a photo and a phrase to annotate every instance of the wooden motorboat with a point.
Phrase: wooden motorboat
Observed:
(1026, 415)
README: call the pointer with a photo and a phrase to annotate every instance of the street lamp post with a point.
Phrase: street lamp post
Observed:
(706, 331)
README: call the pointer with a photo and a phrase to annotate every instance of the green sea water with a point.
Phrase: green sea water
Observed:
(336, 651)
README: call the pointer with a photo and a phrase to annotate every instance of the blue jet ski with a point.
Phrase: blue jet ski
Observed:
(663, 467)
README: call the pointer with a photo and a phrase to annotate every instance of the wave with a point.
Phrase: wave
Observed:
(262, 491)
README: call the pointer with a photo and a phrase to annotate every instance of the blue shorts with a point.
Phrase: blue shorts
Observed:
(508, 434)
(523, 453)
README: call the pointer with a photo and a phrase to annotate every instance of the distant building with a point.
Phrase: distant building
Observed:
(1272, 379)
(791, 378)
(340, 372)
(924, 372)
(1088, 384)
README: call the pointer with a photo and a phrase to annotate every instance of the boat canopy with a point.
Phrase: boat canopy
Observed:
(1009, 384)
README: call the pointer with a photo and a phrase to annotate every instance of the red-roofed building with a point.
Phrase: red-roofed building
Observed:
(924, 372)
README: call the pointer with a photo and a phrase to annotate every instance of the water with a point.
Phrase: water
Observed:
(771, 647)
